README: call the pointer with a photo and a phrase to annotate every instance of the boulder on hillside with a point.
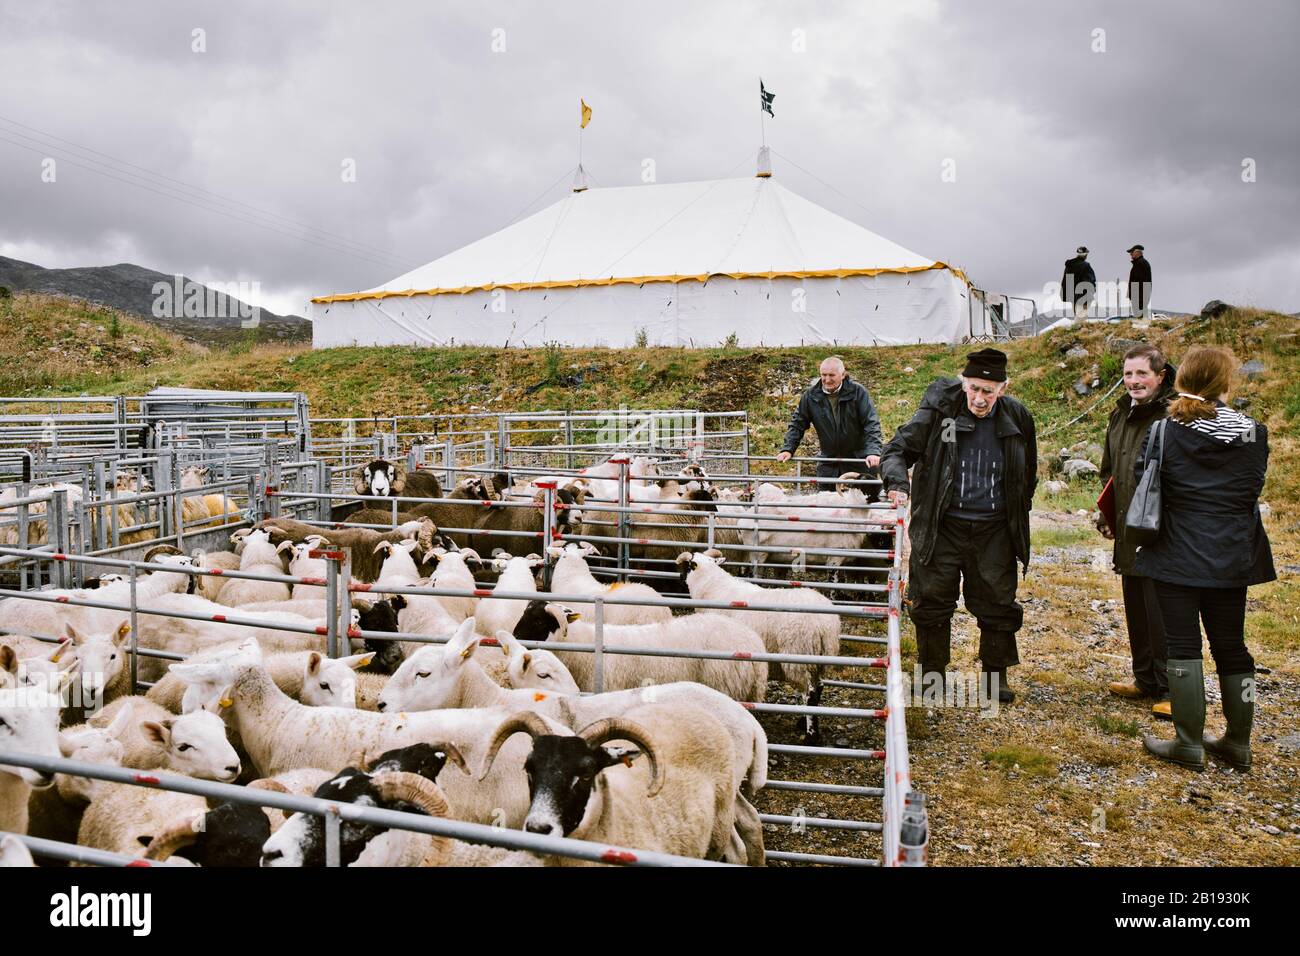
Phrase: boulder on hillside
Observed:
(1076, 467)
(1253, 369)
(1214, 308)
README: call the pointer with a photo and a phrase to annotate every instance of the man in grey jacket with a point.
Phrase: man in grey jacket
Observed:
(847, 426)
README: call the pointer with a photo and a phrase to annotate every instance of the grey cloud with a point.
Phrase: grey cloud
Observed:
(1054, 145)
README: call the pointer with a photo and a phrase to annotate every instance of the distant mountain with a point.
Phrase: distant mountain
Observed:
(176, 303)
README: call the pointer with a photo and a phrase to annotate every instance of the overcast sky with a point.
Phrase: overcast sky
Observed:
(1053, 143)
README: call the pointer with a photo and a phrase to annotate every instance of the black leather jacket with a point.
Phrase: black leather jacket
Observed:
(927, 444)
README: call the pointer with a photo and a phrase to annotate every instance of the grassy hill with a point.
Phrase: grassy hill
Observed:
(129, 288)
(1060, 776)
(52, 344)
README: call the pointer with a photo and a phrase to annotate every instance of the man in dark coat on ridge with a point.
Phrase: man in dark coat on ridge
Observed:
(1139, 282)
(974, 460)
(1079, 282)
(847, 426)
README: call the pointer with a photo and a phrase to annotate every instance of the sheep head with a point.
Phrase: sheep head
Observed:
(563, 772)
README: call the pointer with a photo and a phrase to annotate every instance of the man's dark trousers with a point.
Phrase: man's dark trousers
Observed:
(978, 558)
(1146, 635)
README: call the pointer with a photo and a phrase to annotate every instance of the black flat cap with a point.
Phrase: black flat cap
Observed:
(988, 364)
(1139, 248)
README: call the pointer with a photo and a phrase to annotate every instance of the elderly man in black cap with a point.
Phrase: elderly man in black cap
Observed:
(974, 461)
(1139, 282)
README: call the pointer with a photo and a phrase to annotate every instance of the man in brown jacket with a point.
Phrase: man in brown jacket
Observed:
(1149, 385)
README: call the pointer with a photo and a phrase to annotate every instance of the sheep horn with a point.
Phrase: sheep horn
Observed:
(527, 721)
(425, 794)
(158, 549)
(399, 477)
(713, 553)
(180, 833)
(617, 728)
(684, 558)
(412, 788)
(359, 481)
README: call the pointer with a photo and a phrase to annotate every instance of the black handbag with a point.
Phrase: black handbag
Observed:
(1142, 520)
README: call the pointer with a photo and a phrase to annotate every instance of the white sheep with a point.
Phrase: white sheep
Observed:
(278, 734)
(449, 677)
(257, 557)
(453, 573)
(29, 723)
(303, 565)
(737, 675)
(782, 632)
(194, 744)
(187, 637)
(14, 852)
(571, 575)
(516, 575)
(679, 798)
(55, 812)
(421, 614)
(209, 585)
(810, 521)
(299, 674)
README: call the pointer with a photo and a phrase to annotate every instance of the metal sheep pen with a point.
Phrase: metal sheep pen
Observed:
(266, 492)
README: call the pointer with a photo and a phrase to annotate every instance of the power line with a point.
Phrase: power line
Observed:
(191, 202)
(199, 189)
(824, 183)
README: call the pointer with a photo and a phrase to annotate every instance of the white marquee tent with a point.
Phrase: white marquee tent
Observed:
(687, 263)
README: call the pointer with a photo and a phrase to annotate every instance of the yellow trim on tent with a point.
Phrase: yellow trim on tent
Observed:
(638, 280)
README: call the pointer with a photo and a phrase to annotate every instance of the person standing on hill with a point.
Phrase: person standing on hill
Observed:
(1139, 282)
(974, 459)
(1210, 548)
(1079, 282)
(847, 426)
(1149, 386)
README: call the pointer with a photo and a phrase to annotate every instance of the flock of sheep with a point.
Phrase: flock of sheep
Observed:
(486, 727)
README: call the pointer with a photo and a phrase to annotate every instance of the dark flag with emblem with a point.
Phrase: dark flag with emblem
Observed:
(765, 99)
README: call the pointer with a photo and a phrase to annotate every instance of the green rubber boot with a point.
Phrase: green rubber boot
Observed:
(1233, 748)
(1187, 702)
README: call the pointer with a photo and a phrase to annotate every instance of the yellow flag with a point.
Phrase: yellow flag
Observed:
(586, 114)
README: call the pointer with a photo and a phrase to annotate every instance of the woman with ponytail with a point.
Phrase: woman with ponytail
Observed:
(1211, 547)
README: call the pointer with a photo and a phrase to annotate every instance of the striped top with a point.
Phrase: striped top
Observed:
(1225, 426)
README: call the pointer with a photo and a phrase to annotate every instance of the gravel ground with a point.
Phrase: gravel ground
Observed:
(1059, 777)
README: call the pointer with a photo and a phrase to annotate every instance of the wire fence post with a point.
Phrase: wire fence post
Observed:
(272, 480)
(332, 837)
(58, 534)
(163, 485)
(322, 486)
(97, 521)
(448, 464)
(333, 604)
(548, 529)
(598, 658)
(135, 632)
(624, 550)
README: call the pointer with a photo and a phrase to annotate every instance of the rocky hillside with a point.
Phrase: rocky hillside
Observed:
(130, 289)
